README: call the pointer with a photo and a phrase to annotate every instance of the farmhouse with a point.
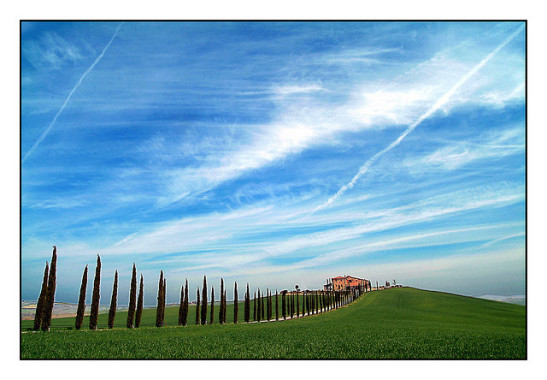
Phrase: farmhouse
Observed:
(347, 283)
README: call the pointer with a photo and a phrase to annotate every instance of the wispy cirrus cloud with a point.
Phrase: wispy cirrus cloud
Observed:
(489, 146)
(303, 123)
(51, 51)
(440, 102)
(202, 148)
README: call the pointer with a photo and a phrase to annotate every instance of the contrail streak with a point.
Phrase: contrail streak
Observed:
(43, 136)
(438, 104)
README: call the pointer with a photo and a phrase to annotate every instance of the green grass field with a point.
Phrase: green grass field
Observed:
(400, 323)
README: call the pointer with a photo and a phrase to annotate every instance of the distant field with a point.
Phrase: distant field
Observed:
(400, 323)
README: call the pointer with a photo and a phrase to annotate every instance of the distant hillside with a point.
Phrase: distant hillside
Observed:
(517, 300)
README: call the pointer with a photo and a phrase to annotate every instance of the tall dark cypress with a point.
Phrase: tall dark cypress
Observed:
(267, 304)
(41, 300)
(50, 294)
(276, 306)
(247, 312)
(290, 298)
(181, 305)
(267, 300)
(298, 304)
(81, 301)
(270, 314)
(197, 308)
(185, 309)
(224, 308)
(236, 305)
(132, 298)
(160, 300)
(255, 307)
(113, 302)
(220, 311)
(138, 314)
(283, 305)
(93, 317)
(262, 306)
(163, 296)
(204, 302)
(212, 316)
(259, 307)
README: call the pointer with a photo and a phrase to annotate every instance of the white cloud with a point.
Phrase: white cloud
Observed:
(490, 146)
(297, 89)
(50, 51)
(306, 115)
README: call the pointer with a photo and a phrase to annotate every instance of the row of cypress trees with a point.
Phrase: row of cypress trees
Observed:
(313, 302)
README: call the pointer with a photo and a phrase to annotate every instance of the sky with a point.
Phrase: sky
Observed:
(275, 153)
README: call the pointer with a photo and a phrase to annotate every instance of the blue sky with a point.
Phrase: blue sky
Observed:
(274, 153)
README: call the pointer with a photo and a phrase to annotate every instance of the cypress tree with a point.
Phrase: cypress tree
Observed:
(236, 306)
(113, 302)
(93, 317)
(132, 298)
(197, 308)
(263, 309)
(298, 304)
(267, 304)
(50, 294)
(163, 295)
(185, 309)
(212, 316)
(291, 305)
(181, 305)
(283, 305)
(159, 303)
(259, 307)
(38, 315)
(204, 302)
(140, 299)
(271, 305)
(224, 306)
(247, 312)
(220, 311)
(276, 306)
(254, 307)
(81, 301)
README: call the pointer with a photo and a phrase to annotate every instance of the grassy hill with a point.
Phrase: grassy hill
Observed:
(400, 323)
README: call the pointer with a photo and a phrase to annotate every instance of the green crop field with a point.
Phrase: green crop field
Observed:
(399, 323)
